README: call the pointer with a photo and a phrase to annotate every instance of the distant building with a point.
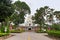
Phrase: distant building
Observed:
(28, 24)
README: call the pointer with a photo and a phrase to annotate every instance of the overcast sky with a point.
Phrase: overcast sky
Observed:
(35, 4)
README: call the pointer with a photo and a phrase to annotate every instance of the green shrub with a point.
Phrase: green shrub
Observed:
(0, 31)
(8, 31)
(56, 27)
(16, 31)
(3, 29)
(38, 31)
(3, 34)
(42, 30)
(54, 33)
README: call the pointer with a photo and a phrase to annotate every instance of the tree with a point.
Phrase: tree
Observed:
(19, 18)
(39, 19)
(46, 7)
(41, 13)
(21, 6)
(57, 13)
(49, 13)
(6, 9)
(22, 9)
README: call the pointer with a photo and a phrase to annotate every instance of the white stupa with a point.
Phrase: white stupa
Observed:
(28, 20)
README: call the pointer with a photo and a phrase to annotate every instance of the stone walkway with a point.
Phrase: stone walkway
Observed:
(29, 36)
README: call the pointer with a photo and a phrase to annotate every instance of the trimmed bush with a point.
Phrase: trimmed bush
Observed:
(16, 31)
(3, 34)
(54, 33)
(40, 31)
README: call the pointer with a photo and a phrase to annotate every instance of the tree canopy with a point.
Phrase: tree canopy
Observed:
(45, 14)
(22, 8)
(41, 13)
(39, 16)
(6, 9)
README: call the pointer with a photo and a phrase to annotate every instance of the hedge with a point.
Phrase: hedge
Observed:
(54, 33)
(3, 34)
(16, 31)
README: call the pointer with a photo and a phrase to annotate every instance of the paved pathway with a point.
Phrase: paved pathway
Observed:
(29, 36)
